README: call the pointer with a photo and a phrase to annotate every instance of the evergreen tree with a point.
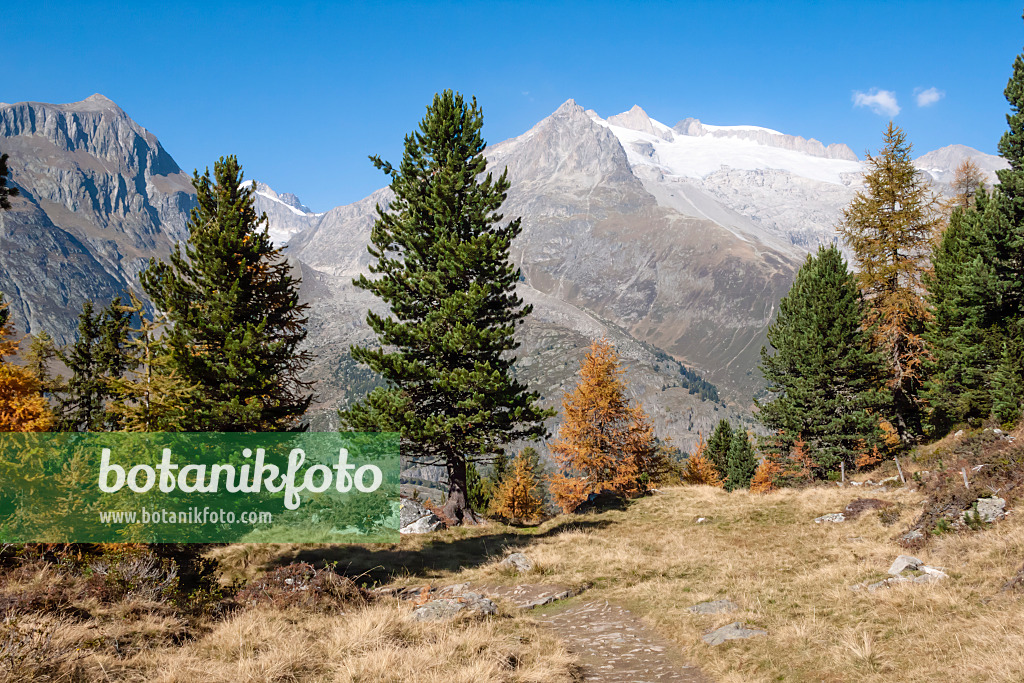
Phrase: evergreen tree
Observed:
(823, 376)
(604, 443)
(5, 192)
(742, 462)
(719, 445)
(890, 227)
(1007, 389)
(98, 357)
(443, 268)
(151, 396)
(236, 320)
(961, 332)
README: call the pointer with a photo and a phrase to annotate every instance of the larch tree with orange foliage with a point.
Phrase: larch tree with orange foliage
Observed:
(23, 408)
(890, 227)
(518, 498)
(699, 469)
(604, 443)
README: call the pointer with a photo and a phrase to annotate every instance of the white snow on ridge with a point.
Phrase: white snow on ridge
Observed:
(699, 156)
(291, 208)
(708, 126)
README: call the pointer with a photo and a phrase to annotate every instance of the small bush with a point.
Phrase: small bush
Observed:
(302, 585)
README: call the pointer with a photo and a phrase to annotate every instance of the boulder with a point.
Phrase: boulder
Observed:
(991, 509)
(446, 608)
(833, 517)
(414, 518)
(714, 607)
(904, 562)
(423, 525)
(518, 562)
(733, 631)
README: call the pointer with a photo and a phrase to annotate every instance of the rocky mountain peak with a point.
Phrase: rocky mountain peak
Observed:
(638, 120)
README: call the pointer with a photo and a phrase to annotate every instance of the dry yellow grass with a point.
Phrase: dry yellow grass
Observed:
(792, 577)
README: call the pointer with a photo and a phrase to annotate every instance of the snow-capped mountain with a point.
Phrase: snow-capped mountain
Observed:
(287, 216)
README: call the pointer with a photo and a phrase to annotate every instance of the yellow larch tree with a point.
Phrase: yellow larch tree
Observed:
(604, 443)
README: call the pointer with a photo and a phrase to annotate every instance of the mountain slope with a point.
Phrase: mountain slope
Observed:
(100, 196)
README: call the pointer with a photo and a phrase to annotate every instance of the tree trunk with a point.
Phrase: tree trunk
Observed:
(457, 508)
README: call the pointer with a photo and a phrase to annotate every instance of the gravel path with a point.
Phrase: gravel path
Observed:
(614, 646)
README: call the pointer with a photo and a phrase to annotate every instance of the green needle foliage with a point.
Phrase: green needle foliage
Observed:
(236, 320)
(443, 268)
(742, 462)
(719, 445)
(824, 378)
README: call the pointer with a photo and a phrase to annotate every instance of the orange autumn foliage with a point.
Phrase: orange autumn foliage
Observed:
(699, 469)
(517, 498)
(765, 476)
(604, 443)
(23, 408)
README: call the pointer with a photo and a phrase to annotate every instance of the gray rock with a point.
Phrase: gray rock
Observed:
(517, 561)
(733, 631)
(886, 583)
(423, 525)
(714, 607)
(410, 511)
(446, 608)
(912, 535)
(904, 562)
(833, 517)
(991, 509)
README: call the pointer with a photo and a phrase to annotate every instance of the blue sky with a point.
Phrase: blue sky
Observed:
(302, 92)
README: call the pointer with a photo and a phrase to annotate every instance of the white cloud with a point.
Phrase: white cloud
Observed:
(882, 102)
(926, 98)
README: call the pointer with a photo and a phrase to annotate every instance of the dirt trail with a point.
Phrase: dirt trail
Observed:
(614, 646)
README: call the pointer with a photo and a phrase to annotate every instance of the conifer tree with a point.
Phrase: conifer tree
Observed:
(150, 396)
(23, 408)
(719, 445)
(604, 443)
(890, 227)
(236, 322)
(98, 357)
(518, 497)
(823, 378)
(765, 476)
(698, 470)
(5, 191)
(443, 268)
(742, 462)
(968, 179)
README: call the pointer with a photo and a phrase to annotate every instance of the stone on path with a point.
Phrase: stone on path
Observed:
(733, 631)
(714, 607)
(614, 646)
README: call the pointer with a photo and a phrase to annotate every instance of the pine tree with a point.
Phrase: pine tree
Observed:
(443, 268)
(719, 445)
(604, 443)
(236, 322)
(961, 332)
(98, 357)
(742, 462)
(968, 179)
(823, 378)
(23, 408)
(890, 227)
(1007, 389)
(5, 192)
(518, 497)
